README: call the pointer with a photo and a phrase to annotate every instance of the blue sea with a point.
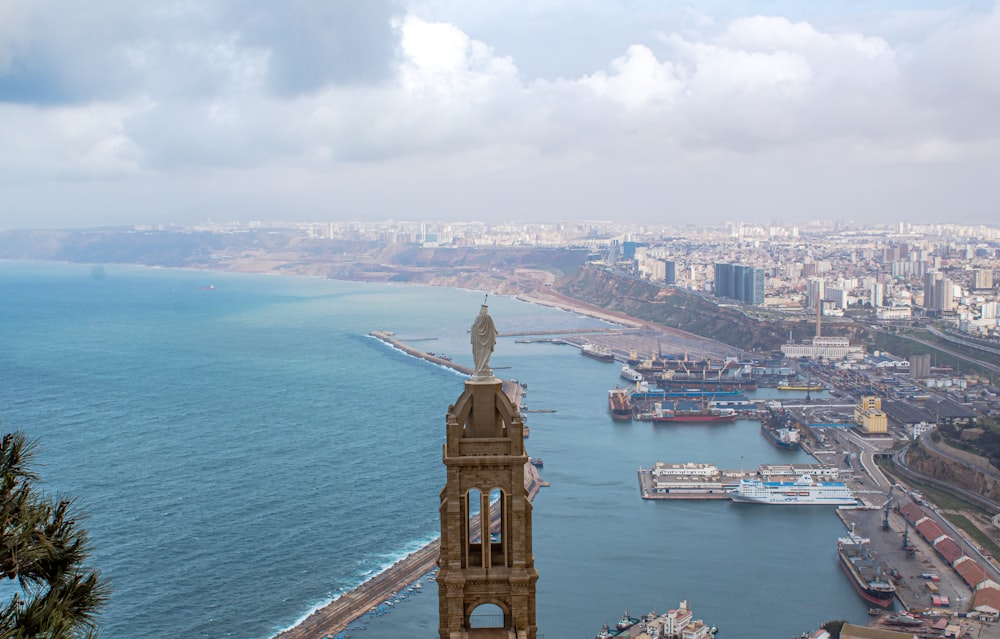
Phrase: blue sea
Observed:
(245, 452)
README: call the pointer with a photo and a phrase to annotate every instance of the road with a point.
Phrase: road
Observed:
(945, 349)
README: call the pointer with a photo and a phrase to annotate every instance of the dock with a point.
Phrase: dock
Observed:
(689, 481)
(336, 616)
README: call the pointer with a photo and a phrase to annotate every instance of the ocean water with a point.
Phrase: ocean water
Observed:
(245, 452)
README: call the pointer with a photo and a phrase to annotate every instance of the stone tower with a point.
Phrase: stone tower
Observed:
(485, 559)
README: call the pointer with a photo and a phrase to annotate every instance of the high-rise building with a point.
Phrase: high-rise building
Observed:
(815, 293)
(983, 278)
(670, 272)
(930, 284)
(725, 276)
(838, 296)
(743, 283)
(753, 286)
(876, 295)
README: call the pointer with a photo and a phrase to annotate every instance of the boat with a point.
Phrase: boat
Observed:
(629, 374)
(625, 622)
(673, 624)
(694, 412)
(777, 428)
(619, 404)
(867, 575)
(598, 352)
(699, 392)
(802, 491)
(536, 462)
(800, 387)
(784, 437)
(633, 357)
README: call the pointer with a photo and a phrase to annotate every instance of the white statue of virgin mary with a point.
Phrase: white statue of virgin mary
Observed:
(484, 337)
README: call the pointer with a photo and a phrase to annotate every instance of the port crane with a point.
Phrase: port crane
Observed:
(888, 504)
(907, 546)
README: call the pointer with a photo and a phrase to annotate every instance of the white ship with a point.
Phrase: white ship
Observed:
(804, 490)
(630, 374)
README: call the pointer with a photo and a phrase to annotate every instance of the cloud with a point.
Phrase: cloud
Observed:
(322, 90)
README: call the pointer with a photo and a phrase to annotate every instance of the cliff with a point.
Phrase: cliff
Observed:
(926, 461)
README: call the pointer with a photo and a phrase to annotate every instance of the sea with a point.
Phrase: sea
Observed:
(242, 452)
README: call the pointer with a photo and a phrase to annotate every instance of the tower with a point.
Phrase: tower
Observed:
(485, 559)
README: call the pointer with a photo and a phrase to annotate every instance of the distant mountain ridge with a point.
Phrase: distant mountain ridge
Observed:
(508, 270)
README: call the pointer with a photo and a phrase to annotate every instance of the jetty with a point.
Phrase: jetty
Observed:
(511, 387)
(336, 616)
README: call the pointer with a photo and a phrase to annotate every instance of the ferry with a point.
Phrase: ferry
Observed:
(630, 374)
(803, 491)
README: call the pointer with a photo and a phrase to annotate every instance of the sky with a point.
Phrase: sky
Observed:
(116, 112)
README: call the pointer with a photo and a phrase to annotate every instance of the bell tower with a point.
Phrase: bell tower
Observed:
(486, 555)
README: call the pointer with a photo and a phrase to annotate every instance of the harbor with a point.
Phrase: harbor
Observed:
(782, 422)
(691, 480)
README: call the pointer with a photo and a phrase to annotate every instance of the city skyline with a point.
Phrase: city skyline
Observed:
(776, 112)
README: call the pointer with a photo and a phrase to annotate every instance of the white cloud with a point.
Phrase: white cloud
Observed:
(223, 89)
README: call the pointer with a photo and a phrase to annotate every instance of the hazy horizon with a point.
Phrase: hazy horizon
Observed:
(634, 112)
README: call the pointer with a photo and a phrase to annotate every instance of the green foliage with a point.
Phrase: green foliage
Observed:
(43, 548)
(973, 531)
(834, 627)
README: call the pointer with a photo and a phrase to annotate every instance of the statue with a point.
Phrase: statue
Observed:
(484, 337)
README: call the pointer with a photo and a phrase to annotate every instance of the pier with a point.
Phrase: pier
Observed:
(336, 616)
(688, 481)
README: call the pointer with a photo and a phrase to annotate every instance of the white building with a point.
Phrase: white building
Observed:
(825, 347)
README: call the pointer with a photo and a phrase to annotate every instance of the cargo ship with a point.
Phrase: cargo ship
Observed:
(776, 426)
(803, 491)
(697, 392)
(598, 352)
(712, 385)
(693, 412)
(619, 404)
(784, 437)
(865, 572)
(800, 387)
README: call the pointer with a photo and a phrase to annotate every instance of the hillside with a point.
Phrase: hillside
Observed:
(679, 308)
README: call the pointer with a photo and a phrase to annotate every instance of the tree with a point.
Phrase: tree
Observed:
(43, 547)
(834, 627)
